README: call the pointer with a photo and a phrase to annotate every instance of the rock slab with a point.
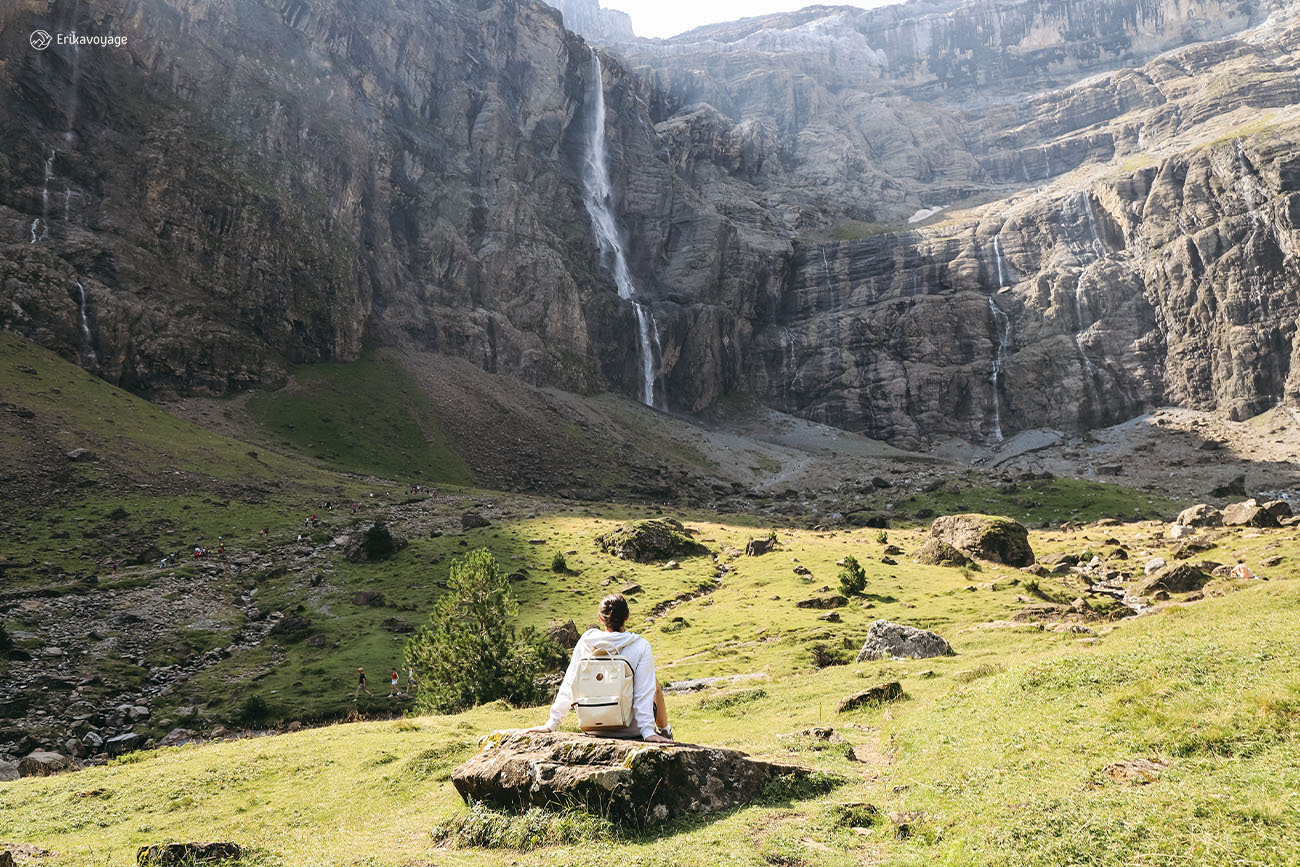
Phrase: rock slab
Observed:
(987, 537)
(629, 781)
(887, 639)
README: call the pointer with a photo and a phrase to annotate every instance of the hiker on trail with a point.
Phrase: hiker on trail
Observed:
(1241, 570)
(392, 690)
(410, 680)
(361, 684)
(611, 682)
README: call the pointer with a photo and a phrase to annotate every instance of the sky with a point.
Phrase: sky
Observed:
(663, 18)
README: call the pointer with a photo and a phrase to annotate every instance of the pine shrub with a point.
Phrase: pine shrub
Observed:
(853, 578)
(469, 653)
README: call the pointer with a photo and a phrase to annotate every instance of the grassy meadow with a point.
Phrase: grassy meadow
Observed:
(996, 755)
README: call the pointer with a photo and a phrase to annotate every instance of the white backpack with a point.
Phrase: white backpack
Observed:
(602, 687)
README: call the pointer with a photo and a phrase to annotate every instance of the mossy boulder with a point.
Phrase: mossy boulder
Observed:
(650, 541)
(987, 537)
(373, 545)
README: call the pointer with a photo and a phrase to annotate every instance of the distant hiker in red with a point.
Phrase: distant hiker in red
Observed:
(392, 691)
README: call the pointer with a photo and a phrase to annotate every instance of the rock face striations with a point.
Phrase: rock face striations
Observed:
(920, 222)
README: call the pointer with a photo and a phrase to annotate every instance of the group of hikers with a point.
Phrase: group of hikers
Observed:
(393, 679)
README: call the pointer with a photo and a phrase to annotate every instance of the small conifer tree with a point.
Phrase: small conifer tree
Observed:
(853, 578)
(469, 653)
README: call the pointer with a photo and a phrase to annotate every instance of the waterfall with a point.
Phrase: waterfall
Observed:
(598, 198)
(90, 359)
(43, 221)
(1097, 246)
(826, 267)
(1088, 370)
(1002, 333)
(997, 256)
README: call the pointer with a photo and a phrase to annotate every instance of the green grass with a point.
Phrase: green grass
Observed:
(1004, 768)
(999, 749)
(366, 416)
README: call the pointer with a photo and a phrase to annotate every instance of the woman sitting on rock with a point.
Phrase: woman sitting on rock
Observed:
(611, 682)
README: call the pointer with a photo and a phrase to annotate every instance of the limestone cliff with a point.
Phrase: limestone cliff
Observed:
(588, 19)
(923, 221)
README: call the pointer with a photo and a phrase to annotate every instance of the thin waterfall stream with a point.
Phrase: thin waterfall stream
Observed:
(599, 197)
(1002, 336)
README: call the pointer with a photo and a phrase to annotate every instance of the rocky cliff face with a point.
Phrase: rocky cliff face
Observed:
(588, 19)
(922, 222)
(251, 184)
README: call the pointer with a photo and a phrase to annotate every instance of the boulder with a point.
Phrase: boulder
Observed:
(1182, 578)
(987, 537)
(939, 553)
(1200, 515)
(369, 599)
(564, 634)
(124, 743)
(650, 541)
(878, 694)
(178, 736)
(375, 544)
(759, 547)
(628, 781)
(42, 764)
(187, 854)
(1279, 509)
(1181, 531)
(886, 639)
(1155, 564)
(630, 589)
(6, 859)
(473, 520)
(8, 772)
(81, 455)
(834, 600)
(1248, 514)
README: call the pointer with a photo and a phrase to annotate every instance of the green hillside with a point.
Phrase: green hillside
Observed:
(1000, 749)
(994, 756)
